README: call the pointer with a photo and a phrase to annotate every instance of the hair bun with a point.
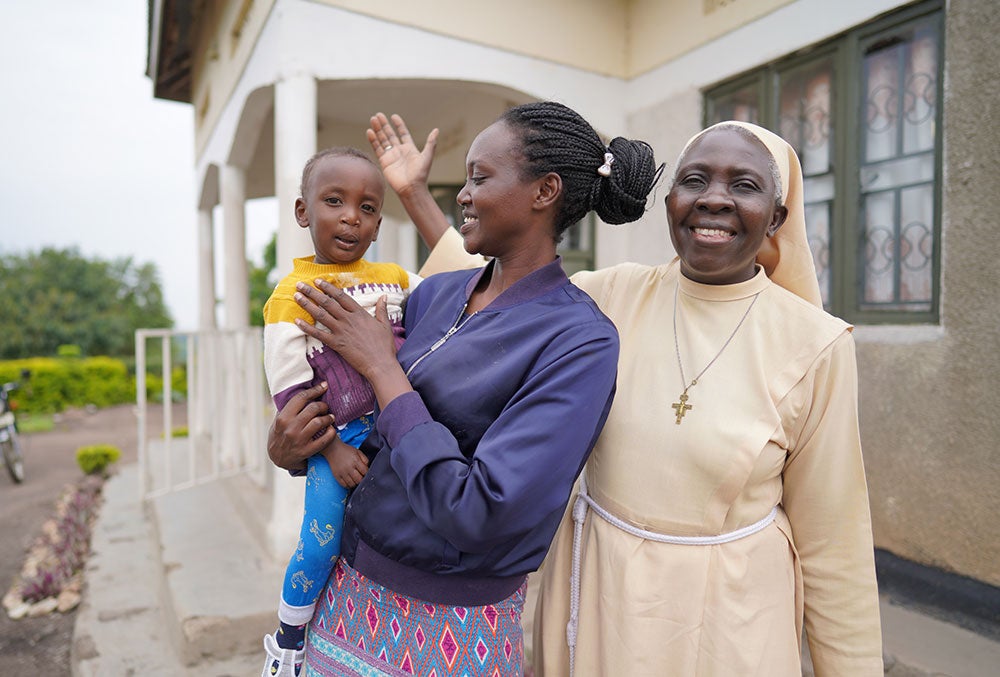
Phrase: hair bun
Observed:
(620, 197)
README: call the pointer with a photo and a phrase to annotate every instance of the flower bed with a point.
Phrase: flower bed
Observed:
(52, 576)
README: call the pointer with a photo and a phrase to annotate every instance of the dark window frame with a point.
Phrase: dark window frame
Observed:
(847, 51)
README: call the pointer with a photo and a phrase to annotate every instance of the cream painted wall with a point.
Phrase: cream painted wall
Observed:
(615, 37)
(661, 30)
(227, 33)
(587, 34)
(620, 38)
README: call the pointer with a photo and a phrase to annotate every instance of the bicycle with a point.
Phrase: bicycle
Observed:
(10, 444)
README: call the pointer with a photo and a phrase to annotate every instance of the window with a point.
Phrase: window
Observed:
(576, 247)
(862, 111)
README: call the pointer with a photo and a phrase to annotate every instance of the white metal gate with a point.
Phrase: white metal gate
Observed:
(228, 409)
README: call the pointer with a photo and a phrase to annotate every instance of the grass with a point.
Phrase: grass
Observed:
(34, 423)
(178, 431)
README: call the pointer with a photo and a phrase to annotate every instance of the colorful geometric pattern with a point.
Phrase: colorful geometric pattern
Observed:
(363, 629)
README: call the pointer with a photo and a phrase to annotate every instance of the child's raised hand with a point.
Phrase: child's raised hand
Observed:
(404, 165)
(347, 464)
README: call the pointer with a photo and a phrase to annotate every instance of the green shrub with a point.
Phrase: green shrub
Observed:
(178, 385)
(43, 391)
(56, 384)
(95, 458)
(107, 382)
(68, 350)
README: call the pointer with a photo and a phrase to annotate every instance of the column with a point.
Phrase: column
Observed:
(203, 400)
(295, 118)
(236, 299)
(236, 306)
(206, 271)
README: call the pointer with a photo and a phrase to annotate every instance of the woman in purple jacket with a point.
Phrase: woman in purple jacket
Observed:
(486, 415)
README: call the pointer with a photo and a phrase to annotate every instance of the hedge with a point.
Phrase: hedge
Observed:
(55, 384)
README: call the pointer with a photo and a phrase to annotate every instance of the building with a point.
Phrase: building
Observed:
(892, 105)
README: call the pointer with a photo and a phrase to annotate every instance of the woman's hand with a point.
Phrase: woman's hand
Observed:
(365, 342)
(405, 166)
(406, 169)
(290, 439)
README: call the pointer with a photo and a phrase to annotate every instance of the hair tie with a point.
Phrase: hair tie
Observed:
(605, 169)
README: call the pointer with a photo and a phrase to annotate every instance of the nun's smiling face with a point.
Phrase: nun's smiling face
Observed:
(722, 206)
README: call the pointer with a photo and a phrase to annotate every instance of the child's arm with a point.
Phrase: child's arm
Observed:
(285, 362)
(301, 428)
(347, 463)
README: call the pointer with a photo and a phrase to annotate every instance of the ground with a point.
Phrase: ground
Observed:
(42, 645)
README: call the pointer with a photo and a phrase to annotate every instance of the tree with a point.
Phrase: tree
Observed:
(261, 284)
(56, 297)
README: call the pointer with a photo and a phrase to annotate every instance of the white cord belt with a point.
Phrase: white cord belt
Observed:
(583, 501)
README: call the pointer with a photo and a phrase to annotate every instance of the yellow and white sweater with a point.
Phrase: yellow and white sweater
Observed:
(294, 361)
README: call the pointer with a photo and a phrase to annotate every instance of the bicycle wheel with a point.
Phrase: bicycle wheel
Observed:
(12, 457)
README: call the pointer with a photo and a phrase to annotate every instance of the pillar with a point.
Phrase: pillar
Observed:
(237, 284)
(295, 118)
(206, 271)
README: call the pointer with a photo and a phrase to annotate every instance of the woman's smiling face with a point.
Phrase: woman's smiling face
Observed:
(722, 206)
(496, 199)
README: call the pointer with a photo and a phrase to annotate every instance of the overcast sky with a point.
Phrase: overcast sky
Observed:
(88, 158)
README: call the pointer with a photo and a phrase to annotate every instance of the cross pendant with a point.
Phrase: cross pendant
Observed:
(681, 407)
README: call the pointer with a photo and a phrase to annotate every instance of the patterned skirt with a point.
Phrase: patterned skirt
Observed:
(363, 629)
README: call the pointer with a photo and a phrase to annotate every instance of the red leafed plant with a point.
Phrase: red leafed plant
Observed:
(61, 551)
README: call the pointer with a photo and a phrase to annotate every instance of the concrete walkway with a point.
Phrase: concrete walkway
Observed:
(183, 586)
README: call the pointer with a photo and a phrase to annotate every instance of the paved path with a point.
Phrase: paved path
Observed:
(42, 645)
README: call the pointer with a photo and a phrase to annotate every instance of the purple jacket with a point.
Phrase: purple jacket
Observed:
(470, 474)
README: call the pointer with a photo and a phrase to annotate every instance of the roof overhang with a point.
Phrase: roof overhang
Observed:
(169, 44)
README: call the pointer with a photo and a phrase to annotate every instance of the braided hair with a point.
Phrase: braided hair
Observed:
(555, 138)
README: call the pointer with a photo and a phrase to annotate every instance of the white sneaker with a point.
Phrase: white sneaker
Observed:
(281, 662)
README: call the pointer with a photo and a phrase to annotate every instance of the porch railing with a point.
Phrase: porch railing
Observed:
(228, 408)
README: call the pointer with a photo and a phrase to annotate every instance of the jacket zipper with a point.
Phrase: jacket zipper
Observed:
(459, 323)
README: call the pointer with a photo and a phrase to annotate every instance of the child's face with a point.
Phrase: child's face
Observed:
(342, 208)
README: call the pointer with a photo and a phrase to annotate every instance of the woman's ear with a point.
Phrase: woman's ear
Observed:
(549, 190)
(778, 218)
(301, 216)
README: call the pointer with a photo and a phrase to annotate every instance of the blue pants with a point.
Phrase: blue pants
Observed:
(319, 538)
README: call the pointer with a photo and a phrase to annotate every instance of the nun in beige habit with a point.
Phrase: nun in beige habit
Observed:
(724, 507)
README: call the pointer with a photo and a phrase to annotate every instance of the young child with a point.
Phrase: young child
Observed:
(341, 205)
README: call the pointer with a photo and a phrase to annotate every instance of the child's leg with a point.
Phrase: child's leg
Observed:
(319, 544)
(319, 541)
(355, 432)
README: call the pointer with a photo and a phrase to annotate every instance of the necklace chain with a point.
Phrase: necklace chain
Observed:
(682, 406)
